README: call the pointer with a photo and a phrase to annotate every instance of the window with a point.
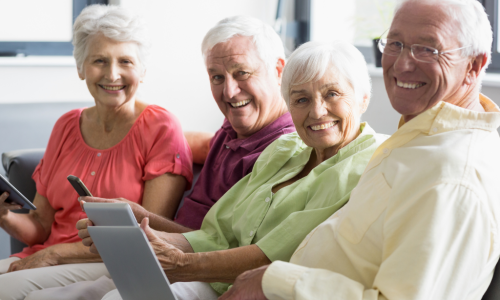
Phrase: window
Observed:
(492, 9)
(36, 27)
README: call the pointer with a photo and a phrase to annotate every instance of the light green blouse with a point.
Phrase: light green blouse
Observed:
(249, 213)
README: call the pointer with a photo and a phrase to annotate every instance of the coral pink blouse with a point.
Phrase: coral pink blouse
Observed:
(155, 145)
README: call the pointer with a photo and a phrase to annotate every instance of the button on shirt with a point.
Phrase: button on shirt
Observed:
(249, 213)
(228, 160)
(422, 223)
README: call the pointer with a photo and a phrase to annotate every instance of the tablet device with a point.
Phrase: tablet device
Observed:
(14, 195)
(132, 263)
(110, 214)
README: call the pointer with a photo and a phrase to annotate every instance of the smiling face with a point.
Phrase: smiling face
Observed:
(414, 86)
(112, 70)
(326, 113)
(246, 92)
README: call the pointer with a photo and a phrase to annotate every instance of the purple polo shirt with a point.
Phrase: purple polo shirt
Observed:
(228, 160)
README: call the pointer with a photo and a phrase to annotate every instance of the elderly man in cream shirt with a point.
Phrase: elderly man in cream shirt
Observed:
(423, 222)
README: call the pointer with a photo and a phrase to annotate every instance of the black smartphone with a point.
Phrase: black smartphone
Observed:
(78, 185)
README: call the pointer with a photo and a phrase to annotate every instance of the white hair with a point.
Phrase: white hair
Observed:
(266, 40)
(114, 22)
(311, 61)
(473, 26)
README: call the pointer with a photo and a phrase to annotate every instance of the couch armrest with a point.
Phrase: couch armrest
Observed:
(19, 166)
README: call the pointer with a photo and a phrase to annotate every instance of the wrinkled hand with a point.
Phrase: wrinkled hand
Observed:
(5, 207)
(248, 286)
(40, 259)
(169, 256)
(139, 211)
(83, 233)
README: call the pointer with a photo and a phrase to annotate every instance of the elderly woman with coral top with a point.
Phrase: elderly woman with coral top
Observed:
(121, 147)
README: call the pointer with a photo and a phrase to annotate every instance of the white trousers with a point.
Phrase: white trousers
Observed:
(194, 290)
(92, 290)
(17, 285)
(5, 264)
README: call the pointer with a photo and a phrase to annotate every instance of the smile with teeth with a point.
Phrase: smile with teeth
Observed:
(323, 126)
(409, 85)
(112, 88)
(241, 103)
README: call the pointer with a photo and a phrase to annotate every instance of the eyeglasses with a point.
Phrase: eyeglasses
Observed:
(421, 53)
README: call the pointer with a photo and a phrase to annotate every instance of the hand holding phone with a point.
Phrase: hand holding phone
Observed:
(78, 185)
(15, 197)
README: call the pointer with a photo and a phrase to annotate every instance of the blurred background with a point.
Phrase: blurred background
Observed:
(39, 82)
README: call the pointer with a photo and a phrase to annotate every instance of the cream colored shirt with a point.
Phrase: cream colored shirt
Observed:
(422, 223)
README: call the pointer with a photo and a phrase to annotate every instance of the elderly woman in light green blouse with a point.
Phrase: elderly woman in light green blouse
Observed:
(298, 181)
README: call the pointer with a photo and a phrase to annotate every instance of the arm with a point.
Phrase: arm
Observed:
(215, 266)
(199, 142)
(33, 228)
(157, 222)
(434, 248)
(163, 194)
(154, 207)
(161, 197)
(50, 256)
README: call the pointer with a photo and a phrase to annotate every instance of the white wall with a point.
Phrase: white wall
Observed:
(176, 77)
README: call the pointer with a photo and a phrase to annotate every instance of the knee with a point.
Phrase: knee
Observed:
(16, 286)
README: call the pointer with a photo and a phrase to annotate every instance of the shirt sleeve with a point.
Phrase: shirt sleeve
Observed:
(433, 249)
(216, 231)
(167, 149)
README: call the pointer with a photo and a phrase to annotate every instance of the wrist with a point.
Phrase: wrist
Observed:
(4, 215)
(187, 259)
(51, 253)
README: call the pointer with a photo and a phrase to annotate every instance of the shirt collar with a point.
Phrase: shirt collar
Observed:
(446, 117)
(443, 117)
(253, 141)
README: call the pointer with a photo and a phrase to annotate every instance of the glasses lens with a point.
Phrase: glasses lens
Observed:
(424, 53)
(390, 47)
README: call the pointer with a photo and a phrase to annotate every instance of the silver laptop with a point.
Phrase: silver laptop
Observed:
(132, 263)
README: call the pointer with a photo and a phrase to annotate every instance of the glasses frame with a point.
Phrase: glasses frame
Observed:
(435, 52)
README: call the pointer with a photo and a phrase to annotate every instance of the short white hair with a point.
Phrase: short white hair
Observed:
(266, 40)
(311, 61)
(473, 26)
(114, 22)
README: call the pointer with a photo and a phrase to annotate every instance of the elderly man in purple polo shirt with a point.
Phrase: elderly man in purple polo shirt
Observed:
(245, 59)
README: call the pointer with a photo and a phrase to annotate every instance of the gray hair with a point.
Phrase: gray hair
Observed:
(267, 41)
(113, 22)
(311, 61)
(472, 23)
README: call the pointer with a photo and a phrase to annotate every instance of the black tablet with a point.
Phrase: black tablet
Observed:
(15, 195)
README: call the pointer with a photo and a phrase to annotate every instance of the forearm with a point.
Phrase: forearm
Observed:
(177, 240)
(72, 253)
(160, 223)
(219, 266)
(24, 227)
